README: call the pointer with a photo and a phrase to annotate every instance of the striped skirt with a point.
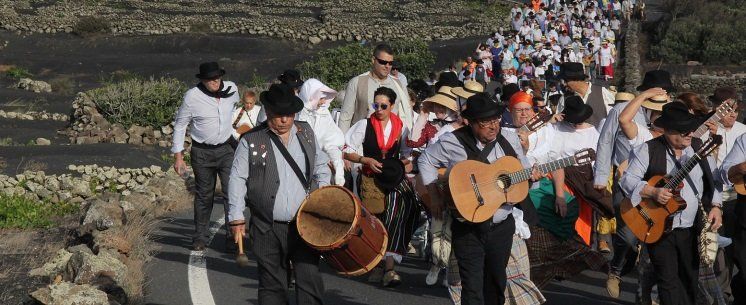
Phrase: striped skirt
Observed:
(401, 217)
(520, 290)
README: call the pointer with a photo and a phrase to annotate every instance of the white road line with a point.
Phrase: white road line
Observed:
(199, 285)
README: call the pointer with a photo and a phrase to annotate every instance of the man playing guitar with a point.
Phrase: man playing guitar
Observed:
(482, 249)
(674, 258)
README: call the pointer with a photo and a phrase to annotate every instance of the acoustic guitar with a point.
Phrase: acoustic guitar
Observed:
(721, 111)
(536, 122)
(649, 220)
(479, 189)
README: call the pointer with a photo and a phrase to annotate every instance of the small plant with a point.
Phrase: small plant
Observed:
(151, 102)
(33, 166)
(257, 82)
(93, 184)
(7, 141)
(18, 73)
(64, 85)
(91, 25)
(21, 212)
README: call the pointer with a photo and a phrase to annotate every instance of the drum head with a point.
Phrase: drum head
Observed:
(326, 216)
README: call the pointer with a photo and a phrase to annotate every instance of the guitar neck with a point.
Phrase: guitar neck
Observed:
(524, 128)
(525, 174)
(702, 129)
(679, 176)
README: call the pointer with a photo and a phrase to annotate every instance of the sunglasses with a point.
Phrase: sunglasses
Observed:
(384, 62)
(377, 106)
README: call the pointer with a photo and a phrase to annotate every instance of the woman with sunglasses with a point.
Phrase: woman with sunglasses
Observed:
(374, 142)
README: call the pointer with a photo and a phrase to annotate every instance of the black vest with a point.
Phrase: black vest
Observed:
(370, 145)
(657, 152)
(469, 142)
(263, 182)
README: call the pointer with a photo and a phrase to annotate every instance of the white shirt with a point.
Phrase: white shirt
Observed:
(539, 144)
(208, 118)
(567, 140)
(643, 135)
(247, 118)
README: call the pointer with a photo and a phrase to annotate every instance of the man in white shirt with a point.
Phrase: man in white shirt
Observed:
(207, 109)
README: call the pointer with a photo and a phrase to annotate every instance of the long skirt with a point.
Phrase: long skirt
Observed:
(401, 218)
(521, 290)
(552, 257)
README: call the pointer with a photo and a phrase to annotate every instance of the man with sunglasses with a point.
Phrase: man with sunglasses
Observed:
(208, 109)
(358, 96)
(674, 257)
(482, 249)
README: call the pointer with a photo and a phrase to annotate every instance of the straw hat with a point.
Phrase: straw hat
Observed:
(621, 97)
(656, 102)
(470, 88)
(444, 97)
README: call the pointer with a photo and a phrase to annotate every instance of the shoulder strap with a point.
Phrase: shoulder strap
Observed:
(505, 145)
(305, 180)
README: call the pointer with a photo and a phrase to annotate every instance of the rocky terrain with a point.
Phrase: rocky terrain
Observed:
(310, 21)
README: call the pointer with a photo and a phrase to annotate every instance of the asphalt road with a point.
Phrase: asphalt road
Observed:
(169, 281)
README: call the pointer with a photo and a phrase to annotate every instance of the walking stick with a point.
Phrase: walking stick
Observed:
(241, 258)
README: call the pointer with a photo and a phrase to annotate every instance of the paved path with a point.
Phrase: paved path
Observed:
(168, 281)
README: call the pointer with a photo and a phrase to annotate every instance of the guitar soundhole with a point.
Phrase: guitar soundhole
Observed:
(503, 182)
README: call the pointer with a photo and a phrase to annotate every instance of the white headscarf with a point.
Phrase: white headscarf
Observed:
(311, 92)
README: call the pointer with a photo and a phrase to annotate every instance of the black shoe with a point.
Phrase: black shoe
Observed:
(230, 245)
(198, 245)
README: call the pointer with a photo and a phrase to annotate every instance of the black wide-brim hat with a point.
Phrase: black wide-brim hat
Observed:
(479, 106)
(291, 77)
(281, 99)
(392, 174)
(576, 111)
(656, 79)
(209, 70)
(676, 116)
(572, 71)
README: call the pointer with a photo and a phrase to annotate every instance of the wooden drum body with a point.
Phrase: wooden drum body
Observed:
(333, 221)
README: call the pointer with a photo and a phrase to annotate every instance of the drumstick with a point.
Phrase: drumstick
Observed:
(241, 258)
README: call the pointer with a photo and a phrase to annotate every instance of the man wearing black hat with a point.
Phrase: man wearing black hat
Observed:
(208, 109)
(482, 249)
(598, 97)
(674, 257)
(612, 150)
(277, 164)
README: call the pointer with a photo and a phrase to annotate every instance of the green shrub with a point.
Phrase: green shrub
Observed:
(336, 66)
(706, 31)
(151, 102)
(21, 212)
(17, 73)
(90, 25)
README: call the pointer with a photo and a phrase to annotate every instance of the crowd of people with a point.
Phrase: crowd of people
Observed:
(394, 141)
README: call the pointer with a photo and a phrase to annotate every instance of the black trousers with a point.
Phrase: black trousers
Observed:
(676, 263)
(273, 249)
(208, 163)
(482, 251)
(738, 284)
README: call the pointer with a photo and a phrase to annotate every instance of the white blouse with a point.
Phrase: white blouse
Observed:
(356, 134)
(248, 118)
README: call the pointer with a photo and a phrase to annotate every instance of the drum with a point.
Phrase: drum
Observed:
(333, 221)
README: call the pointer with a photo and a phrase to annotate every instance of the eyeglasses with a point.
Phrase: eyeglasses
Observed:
(384, 62)
(488, 123)
(376, 106)
(685, 134)
(522, 110)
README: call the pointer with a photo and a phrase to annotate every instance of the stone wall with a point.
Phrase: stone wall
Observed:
(85, 182)
(310, 21)
(88, 126)
(632, 68)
